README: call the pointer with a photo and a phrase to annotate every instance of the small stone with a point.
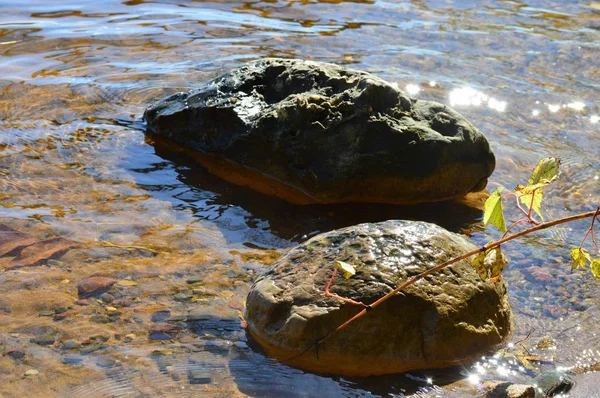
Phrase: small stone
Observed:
(71, 360)
(553, 383)
(100, 318)
(160, 316)
(129, 338)
(105, 362)
(520, 391)
(83, 302)
(65, 281)
(46, 313)
(59, 317)
(111, 309)
(46, 339)
(14, 354)
(195, 279)
(183, 296)
(70, 345)
(32, 372)
(95, 285)
(91, 348)
(163, 331)
(107, 297)
(100, 337)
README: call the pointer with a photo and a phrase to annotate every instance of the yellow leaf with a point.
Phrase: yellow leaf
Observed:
(479, 263)
(579, 256)
(595, 267)
(346, 268)
(495, 261)
(126, 282)
(492, 213)
(546, 171)
(525, 198)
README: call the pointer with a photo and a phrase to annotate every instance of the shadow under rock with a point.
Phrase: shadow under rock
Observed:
(296, 223)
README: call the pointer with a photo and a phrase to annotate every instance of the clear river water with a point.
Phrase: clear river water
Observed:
(75, 78)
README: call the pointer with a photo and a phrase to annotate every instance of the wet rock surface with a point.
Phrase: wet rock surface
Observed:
(447, 319)
(312, 132)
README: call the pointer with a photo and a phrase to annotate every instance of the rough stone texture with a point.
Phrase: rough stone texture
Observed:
(449, 318)
(312, 132)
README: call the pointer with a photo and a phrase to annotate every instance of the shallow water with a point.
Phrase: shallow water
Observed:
(75, 78)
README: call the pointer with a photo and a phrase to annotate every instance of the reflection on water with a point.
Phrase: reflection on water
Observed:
(74, 162)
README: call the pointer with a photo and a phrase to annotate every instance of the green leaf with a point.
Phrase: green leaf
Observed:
(595, 267)
(538, 197)
(546, 171)
(479, 263)
(579, 256)
(493, 213)
(346, 268)
(496, 261)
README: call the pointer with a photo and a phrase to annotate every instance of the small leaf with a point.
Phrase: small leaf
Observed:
(493, 213)
(546, 171)
(595, 267)
(579, 256)
(525, 198)
(495, 261)
(479, 263)
(346, 268)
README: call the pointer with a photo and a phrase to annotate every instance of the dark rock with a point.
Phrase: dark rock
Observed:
(163, 331)
(107, 297)
(95, 286)
(71, 360)
(552, 383)
(160, 316)
(450, 318)
(14, 354)
(45, 339)
(311, 132)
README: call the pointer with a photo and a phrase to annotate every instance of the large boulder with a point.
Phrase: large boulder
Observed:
(446, 319)
(312, 132)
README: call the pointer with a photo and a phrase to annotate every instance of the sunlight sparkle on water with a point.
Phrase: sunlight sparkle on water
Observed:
(553, 108)
(469, 96)
(535, 112)
(413, 89)
(577, 105)
(473, 378)
(594, 119)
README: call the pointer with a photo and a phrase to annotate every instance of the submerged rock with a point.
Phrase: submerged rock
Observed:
(312, 132)
(447, 319)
